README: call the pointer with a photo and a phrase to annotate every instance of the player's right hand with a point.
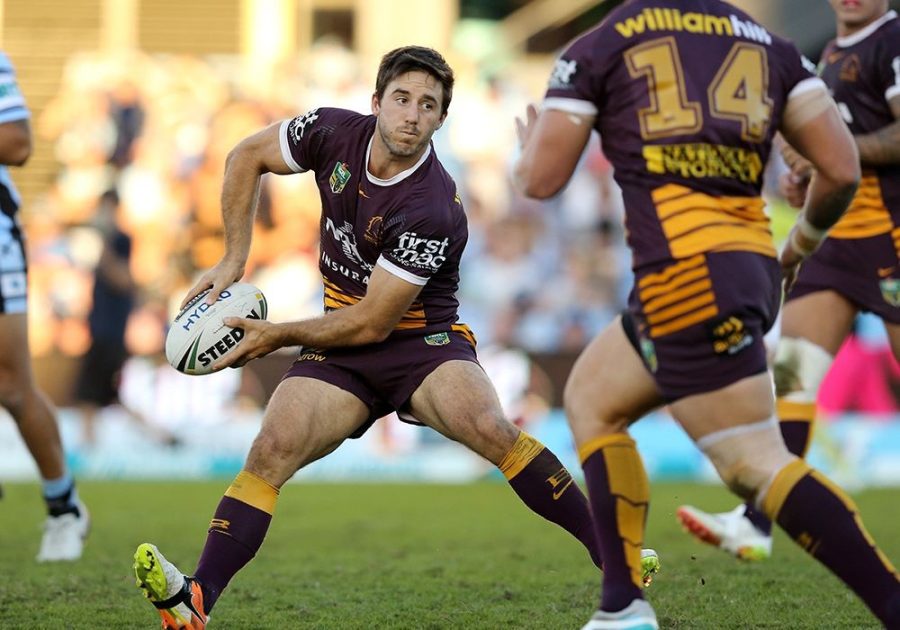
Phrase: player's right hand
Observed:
(793, 188)
(220, 277)
(799, 165)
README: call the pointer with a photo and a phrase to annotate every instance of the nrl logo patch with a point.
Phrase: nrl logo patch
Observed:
(339, 177)
(648, 350)
(437, 339)
(890, 291)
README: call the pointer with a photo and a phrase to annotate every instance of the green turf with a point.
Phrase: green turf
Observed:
(418, 556)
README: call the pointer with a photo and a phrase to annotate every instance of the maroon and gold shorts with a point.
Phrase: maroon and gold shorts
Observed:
(385, 375)
(866, 271)
(698, 323)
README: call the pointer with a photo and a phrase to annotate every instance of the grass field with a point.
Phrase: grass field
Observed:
(416, 556)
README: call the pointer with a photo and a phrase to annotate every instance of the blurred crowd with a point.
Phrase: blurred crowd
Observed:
(141, 143)
(153, 132)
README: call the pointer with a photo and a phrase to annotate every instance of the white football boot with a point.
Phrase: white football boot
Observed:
(638, 615)
(731, 531)
(64, 536)
(177, 598)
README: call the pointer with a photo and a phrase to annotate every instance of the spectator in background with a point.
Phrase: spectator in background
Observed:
(67, 518)
(113, 299)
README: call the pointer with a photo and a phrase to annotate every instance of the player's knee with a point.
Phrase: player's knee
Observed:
(274, 455)
(745, 477)
(14, 392)
(492, 427)
(747, 456)
(584, 410)
(799, 369)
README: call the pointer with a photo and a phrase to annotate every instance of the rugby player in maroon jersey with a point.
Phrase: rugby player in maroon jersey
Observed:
(687, 96)
(856, 268)
(393, 230)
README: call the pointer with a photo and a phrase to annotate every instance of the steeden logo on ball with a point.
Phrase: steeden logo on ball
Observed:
(198, 336)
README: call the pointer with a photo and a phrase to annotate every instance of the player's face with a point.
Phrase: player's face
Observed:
(409, 113)
(857, 14)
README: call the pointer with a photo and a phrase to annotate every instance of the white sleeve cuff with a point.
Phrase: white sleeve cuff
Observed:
(807, 85)
(400, 272)
(892, 92)
(570, 105)
(11, 115)
(286, 149)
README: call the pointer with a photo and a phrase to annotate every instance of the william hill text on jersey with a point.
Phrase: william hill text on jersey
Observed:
(693, 22)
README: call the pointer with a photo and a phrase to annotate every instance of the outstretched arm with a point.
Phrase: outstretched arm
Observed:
(246, 163)
(370, 320)
(552, 142)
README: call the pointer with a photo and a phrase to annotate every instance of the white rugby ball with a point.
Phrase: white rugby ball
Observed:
(198, 338)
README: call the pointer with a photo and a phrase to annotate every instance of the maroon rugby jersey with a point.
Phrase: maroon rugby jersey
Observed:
(413, 224)
(687, 95)
(863, 73)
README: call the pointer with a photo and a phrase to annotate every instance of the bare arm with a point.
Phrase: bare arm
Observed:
(826, 142)
(552, 143)
(246, 163)
(15, 142)
(370, 320)
(882, 146)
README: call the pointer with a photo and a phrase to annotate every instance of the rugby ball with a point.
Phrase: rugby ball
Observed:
(197, 337)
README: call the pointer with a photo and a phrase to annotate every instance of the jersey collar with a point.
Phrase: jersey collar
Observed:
(858, 36)
(399, 177)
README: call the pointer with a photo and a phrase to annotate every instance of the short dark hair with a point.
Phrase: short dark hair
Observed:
(411, 58)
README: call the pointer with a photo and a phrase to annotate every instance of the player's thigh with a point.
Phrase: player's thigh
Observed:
(825, 318)
(609, 386)
(459, 401)
(15, 360)
(305, 420)
(748, 401)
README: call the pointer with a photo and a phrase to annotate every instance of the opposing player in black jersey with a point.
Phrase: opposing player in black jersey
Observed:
(687, 96)
(392, 234)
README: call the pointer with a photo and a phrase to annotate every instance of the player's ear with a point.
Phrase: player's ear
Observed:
(376, 104)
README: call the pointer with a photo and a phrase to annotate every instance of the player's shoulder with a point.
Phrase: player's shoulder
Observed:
(321, 126)
(434, 194)
(887, 37)
(333, 117)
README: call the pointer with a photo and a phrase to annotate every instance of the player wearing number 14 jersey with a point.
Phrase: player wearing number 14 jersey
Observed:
(857, 268)
(687, 96)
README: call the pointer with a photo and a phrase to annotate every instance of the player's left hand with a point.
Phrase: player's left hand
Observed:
(796, 249)
(524, 128)
(260, 338)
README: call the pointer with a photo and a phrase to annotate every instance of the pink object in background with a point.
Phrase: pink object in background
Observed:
(860, 380)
